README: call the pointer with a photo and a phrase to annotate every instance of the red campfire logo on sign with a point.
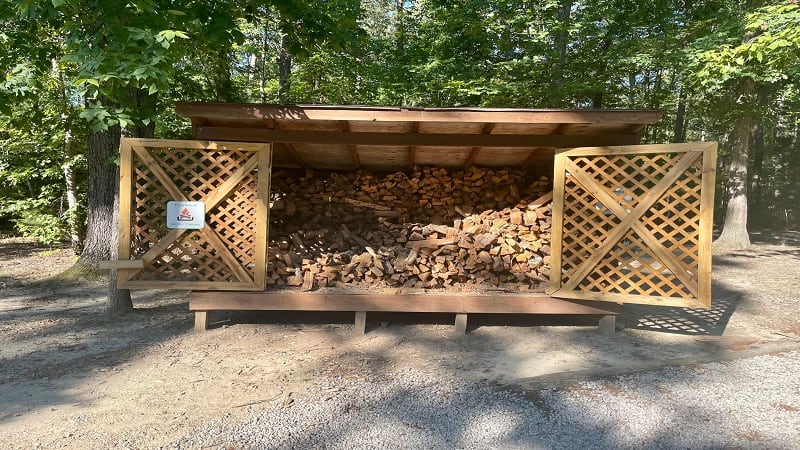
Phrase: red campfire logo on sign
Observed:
(185, 215)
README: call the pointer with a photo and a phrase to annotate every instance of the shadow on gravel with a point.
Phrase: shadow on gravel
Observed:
(725, 300)
(776, 237)
(72, 344)
(689, 321)
(60, 364)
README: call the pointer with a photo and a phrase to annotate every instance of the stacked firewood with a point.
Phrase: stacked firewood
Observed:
(429, 228)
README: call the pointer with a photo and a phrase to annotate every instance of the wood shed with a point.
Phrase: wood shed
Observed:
(457, 210)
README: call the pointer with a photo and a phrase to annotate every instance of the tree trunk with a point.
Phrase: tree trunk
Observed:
(631, 90)
(284, 69)
(561, 40)
(73, 208)
(103, 199)
(600, 72)
(119, 300)
(734, 230)
(223, 83)
(262, 80)
(756, 215)
(102, 147)
(252, 67)
(75, 213)
(400, 34)
(679, 131)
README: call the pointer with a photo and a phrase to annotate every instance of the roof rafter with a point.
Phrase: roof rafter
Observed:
(487, 129)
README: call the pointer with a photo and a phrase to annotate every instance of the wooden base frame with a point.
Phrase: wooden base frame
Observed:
(201, 302)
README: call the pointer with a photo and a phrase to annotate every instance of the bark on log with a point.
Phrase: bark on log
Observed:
(430, 228)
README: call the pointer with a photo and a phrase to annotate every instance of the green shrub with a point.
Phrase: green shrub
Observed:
(44, 227)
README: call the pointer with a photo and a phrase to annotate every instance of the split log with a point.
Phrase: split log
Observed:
(426, 229)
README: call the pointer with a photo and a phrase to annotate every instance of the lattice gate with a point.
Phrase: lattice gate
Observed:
(633, 224)
(227, 181)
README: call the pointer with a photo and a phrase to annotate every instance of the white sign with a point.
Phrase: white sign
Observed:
(190, 215)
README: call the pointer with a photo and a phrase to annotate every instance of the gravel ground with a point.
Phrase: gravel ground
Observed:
(747, 403)
(70, 377)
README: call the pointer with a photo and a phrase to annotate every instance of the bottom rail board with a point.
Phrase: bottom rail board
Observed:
(460, 304)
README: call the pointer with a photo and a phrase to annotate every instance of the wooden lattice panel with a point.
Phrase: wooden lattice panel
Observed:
(231, 179)
(633, 224)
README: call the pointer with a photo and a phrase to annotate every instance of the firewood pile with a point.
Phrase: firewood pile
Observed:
(429, 228)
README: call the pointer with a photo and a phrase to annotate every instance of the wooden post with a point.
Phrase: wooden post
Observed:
(607, 325)
(200, 320)
(361, 322)
(461, 324)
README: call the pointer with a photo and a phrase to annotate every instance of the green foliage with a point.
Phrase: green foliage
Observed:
(69, 63)
(762, 45)
(42, 226)
(32, 189)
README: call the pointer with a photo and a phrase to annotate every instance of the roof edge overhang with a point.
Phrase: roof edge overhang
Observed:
(254, 112)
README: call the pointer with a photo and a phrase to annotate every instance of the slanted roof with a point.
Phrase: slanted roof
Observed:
(391, 138)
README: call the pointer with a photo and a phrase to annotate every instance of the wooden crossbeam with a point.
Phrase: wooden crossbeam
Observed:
(411, 139)
(458, 303)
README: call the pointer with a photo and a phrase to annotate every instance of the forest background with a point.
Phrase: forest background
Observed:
(78, 74)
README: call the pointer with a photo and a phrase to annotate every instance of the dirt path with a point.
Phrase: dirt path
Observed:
(70, 377)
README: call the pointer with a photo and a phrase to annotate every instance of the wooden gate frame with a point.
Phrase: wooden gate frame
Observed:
(600, 221)
(214, 193)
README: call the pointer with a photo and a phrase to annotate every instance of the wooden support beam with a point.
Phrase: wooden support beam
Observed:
(461, 304)
(360, 323)
(345, 127)
(122, 264)
(607, 325)
(412, 150)
(560, 129)
(201, 320)
(461, 324)
(412, 139)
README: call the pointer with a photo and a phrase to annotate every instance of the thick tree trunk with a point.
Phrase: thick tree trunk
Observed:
(102, 147)
(223, 83)
(734, 232)
(119, 300)
(103, 199)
